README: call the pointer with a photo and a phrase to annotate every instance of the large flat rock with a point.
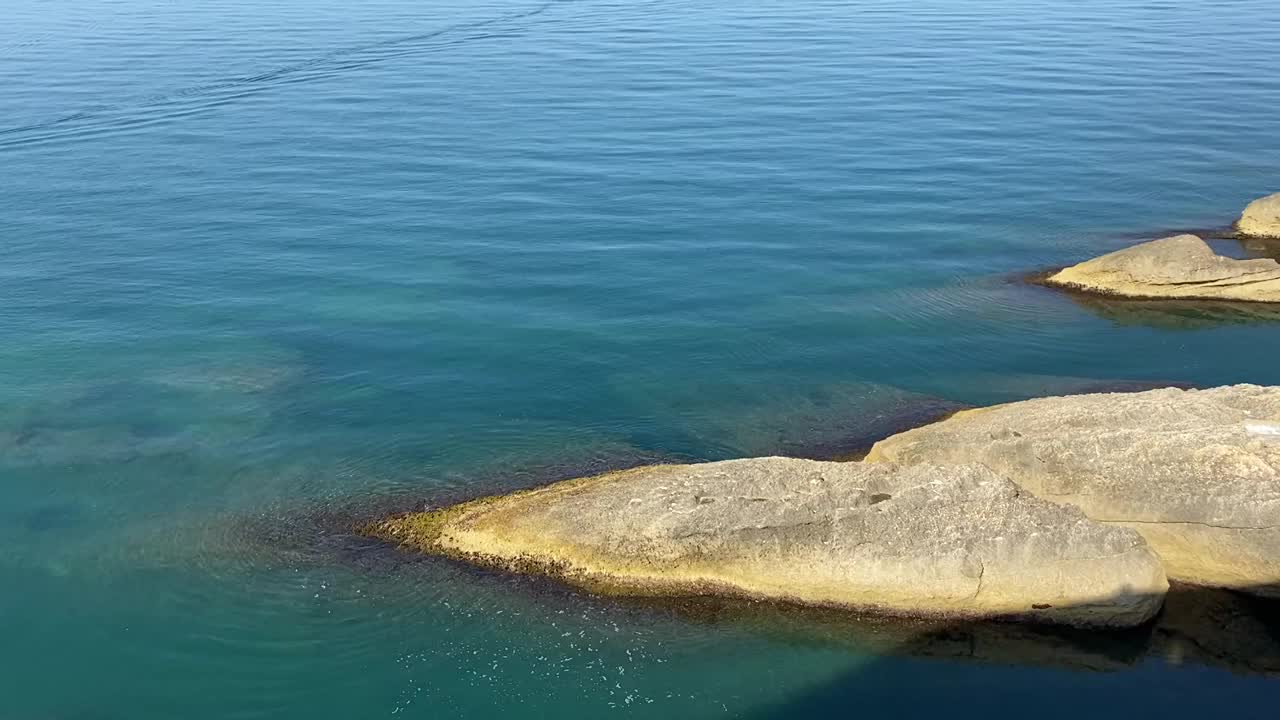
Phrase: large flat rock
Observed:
(1178, 267)
(1197, 472)
(921, 541)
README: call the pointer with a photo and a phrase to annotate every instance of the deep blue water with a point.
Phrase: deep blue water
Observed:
(265, 265)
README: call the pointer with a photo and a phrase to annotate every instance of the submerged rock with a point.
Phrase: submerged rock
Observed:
(924, 541)
(1177, 314)
(1261, 218)
(1182, 266)
(1196, 472)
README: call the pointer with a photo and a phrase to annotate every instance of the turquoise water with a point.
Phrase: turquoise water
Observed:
(269, 267)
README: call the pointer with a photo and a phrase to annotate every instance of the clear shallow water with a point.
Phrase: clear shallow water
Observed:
(260, 264)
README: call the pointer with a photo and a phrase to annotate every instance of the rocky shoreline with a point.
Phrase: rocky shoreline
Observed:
(1074, 510)
(1068, 510)
(948, 542)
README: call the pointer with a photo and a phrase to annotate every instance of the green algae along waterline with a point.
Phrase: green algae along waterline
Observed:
(268, 271)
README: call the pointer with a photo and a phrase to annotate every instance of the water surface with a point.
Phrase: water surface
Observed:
(266, 264)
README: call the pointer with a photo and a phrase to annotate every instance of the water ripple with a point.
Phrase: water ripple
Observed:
(164, 107)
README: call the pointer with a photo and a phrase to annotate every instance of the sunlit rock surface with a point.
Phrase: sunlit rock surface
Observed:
(1197, 472)
(1178, 267)
(1261, 218)
(926, 541)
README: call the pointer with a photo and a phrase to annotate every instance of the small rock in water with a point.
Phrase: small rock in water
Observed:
(1261, 218)
(1178, 267)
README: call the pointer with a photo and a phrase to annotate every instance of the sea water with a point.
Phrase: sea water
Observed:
(267, 269)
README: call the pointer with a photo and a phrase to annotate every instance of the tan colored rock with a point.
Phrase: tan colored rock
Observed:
(1197, 472)
(1261, 218)
(926, 541)
(1182, 266)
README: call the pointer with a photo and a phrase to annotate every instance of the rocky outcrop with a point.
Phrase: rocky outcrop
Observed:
(1196, 472)
(1261, 218)
(923, 541)
(1178, 267)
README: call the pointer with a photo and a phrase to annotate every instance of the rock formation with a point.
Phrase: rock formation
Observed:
(923, 541)
(1178, 267)
(1261, 218)
(1196, 472)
